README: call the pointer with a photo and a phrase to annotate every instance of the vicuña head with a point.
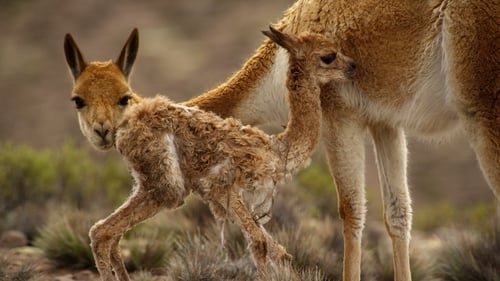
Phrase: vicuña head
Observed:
(318, 54)
(101, 90)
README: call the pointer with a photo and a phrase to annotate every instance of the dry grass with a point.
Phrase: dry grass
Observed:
(64, 239)
(185, 244)
(470, 256)
(24, 272)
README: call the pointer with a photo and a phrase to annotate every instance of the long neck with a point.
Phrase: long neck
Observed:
(240, 96)
(303, 130)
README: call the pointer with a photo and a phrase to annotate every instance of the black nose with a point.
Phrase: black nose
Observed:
(102, 133)
(352, 70)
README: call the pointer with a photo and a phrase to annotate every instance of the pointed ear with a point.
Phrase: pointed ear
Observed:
(128, 54)
(74, 57)
(284, 40)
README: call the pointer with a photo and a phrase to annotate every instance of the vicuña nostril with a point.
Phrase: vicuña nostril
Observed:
(102, 133)
(352, 70)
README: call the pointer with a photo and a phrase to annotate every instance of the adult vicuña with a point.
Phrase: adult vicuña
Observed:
(173, 149)
(426, 68)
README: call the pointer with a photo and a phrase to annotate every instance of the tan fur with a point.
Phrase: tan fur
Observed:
(173, 150)
(426, 68)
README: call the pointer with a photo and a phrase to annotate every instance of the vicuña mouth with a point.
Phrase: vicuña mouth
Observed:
(104, 145)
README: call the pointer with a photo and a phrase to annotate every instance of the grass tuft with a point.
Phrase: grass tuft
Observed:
(198, 258)
(149, 250)
(470, 257)
(25, 272)
(64, 240)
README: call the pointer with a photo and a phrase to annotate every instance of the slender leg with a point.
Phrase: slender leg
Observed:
(117, 260)
(472, 55)
(105, 234)
(390, 148)
(275, 251)
(344, 142)
(253, 233)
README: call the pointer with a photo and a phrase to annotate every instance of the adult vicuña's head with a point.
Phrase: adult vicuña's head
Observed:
(101, 90)
(319, 54)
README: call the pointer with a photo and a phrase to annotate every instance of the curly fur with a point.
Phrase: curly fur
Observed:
(173, 150)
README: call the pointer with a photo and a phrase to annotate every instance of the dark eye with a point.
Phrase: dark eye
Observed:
(79, 102)
(124, 100)
(328, 58)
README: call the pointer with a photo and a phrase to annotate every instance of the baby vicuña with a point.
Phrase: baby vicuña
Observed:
(173, 150)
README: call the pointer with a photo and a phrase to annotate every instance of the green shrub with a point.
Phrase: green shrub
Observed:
(316, 184)
(68, 174)
(86, 183)
(65, 241)
(25, 175)
(149, 249)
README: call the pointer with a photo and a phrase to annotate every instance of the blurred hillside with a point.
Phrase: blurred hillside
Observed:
(186, 48)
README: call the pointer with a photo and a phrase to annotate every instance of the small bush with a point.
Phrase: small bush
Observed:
(149, 250)
(27, 218)
(198, 258)
(193, 260)
(316, 184)
(285, 274)
(25, 175)
(25, 272)
(65, 241)
(68, 174)
(470, 257)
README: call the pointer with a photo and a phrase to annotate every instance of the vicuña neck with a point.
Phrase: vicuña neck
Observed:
(303, 130)
(256, 94)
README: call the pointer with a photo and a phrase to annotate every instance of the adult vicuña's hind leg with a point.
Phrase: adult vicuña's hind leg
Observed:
(105, 234)
(472, 52)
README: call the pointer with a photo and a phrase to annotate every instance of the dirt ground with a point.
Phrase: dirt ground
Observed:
(31, 261)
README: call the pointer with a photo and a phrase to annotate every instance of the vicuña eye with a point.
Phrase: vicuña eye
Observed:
(328, 58)
(124, 100)
(79, 102)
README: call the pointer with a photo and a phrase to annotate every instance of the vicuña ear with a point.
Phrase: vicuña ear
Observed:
(74, 57)
(128, 54)
(284, 40)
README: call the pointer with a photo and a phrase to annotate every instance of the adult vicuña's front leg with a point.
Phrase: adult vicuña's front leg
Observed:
(390, 148)
(105, 234)
(344, 141)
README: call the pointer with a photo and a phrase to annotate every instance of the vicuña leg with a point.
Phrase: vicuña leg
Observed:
(472, 53)
(117, 260)
(344, 141)
(254, 235)
(275, 251)
(390, 148)
(105, 234)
